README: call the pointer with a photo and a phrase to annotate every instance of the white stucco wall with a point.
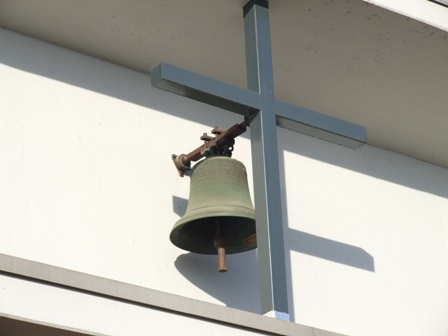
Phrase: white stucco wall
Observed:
(87, 183)
(367, 239)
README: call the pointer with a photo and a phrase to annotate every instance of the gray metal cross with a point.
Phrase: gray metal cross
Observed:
(258, 102)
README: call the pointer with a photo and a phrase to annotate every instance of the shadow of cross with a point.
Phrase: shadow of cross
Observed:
(259, 103)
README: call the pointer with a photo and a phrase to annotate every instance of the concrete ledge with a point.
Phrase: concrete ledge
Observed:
(116, 290)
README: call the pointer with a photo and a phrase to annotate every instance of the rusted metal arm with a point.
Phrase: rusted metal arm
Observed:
(183, 161)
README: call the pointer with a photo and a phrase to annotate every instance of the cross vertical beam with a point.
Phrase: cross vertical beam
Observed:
(267, 196)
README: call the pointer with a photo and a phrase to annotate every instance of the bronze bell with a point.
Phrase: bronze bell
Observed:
(220, 216)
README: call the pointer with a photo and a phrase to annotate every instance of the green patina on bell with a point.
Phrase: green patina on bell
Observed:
(220, 214)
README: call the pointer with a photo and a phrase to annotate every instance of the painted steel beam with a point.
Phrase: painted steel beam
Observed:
(204, 89)
(267, 194)
(318, 125)
(246, 102)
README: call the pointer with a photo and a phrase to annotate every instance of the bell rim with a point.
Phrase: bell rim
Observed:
(176, 241)
(176, 231)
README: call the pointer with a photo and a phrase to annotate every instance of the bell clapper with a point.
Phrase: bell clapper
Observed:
(220, 243)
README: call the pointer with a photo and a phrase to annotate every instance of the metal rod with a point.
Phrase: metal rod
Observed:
(220, 244)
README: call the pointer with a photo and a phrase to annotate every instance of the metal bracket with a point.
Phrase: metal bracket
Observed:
(221, 144)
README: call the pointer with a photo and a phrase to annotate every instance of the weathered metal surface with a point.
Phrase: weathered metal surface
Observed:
(183, 161)
(218, 192)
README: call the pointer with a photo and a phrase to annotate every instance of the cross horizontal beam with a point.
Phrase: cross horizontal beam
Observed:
(246, 102)
(204, 89)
